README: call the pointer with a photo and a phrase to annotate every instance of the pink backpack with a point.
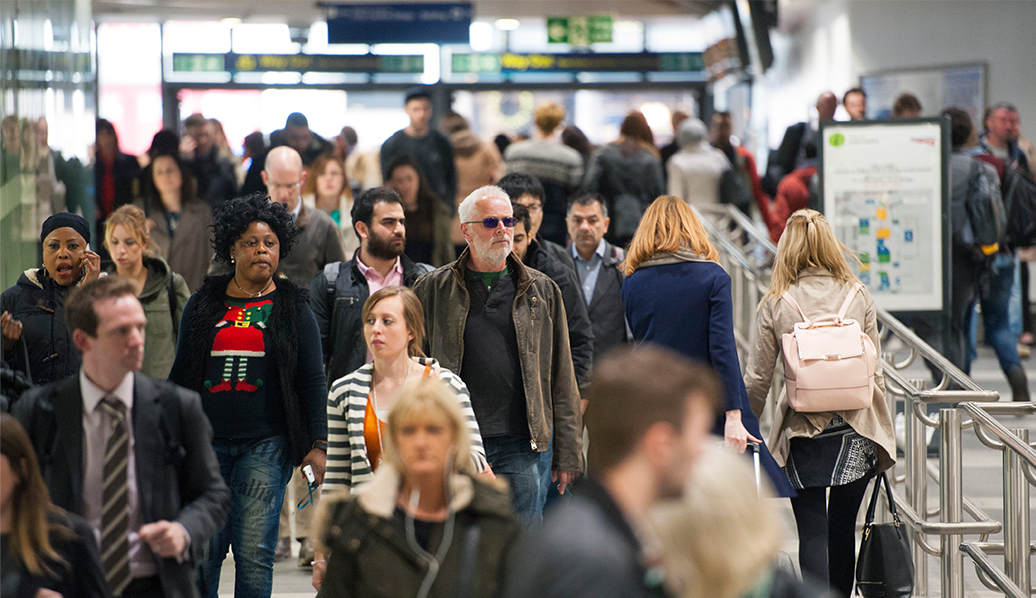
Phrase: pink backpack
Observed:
(828, 362)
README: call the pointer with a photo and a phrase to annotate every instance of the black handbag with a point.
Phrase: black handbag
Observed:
(885, 567)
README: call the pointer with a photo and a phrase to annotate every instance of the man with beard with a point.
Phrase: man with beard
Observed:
(649, 421)
(476, 310)
(338, 293)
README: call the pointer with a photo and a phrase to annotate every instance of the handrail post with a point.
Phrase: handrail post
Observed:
(915, 453)
(1016, 516)
(951, 499)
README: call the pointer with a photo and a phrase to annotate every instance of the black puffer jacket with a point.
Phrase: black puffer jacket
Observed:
(38, 302)
(303, 390)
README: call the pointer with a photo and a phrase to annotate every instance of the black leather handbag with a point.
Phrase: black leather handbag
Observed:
(885, 567)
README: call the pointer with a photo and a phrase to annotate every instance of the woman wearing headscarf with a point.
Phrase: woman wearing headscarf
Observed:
(35, 338)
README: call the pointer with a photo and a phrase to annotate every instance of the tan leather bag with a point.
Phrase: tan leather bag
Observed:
(828, 361)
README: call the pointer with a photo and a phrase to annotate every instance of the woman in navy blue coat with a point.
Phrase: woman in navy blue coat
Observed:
(677, 295)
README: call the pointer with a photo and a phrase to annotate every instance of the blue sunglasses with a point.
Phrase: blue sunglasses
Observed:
(509, 222)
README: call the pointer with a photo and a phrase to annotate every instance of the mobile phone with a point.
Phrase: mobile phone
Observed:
(308, 472)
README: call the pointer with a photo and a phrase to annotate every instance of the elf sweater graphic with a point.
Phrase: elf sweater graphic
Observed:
(240, 336)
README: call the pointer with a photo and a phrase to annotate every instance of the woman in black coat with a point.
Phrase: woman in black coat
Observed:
(250, 346)
(44, 551)
(35, 339)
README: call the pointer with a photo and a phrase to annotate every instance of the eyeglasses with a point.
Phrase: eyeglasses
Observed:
(509, 222)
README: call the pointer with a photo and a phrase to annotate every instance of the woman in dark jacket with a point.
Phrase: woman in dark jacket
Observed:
(423, 526)
(36, 341)
(181, 219)
(677, 295)
(628, 174)
(44, 551)
(250, 346)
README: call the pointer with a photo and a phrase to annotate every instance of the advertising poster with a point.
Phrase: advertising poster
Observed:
(885, 193)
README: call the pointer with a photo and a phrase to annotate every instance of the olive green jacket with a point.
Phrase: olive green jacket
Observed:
(371, 556)
(160, 337)
(551, 393)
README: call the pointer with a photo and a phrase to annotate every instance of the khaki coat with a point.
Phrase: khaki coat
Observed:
(818, 293)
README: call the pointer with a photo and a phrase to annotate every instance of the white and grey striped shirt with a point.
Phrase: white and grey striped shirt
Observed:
(347, 462)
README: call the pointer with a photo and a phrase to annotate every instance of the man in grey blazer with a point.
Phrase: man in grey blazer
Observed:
(130, 454)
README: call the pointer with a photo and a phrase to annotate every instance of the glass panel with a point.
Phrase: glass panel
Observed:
(47, 79)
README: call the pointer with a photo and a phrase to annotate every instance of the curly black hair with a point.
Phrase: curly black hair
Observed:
(231, 219)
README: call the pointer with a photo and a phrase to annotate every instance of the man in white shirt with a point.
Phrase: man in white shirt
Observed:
(132, 455)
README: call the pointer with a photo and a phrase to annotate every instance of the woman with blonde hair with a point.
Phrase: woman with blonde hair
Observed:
(424, 524)
(839, 451)
(162, 292)
(677, 295)
(46, 552)
(327, 188)
(628, 174)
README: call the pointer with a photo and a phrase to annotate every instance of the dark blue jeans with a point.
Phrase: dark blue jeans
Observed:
(257, 472)
(513, 459)
(996, 317)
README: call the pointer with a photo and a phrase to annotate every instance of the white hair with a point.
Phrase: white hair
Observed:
(467, 207)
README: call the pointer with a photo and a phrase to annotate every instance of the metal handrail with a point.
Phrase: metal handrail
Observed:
(1007, 439)
(998, 577)
(727, 226)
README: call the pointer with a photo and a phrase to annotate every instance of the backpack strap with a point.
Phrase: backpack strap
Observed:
(172, 304)
(787, 297)
(848, 299)
(331, 276)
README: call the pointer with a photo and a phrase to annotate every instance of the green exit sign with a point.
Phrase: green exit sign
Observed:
(198, 63)
(579, 31)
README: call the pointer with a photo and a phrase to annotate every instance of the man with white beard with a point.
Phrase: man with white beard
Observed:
(502, 326)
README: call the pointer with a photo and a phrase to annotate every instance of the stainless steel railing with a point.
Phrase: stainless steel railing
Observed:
(747, 253)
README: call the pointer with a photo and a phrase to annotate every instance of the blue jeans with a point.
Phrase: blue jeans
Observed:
(257, 472)
(512, 458)
(996, 316)
(552, 497)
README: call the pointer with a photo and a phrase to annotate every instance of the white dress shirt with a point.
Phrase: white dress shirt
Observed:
(96, 430)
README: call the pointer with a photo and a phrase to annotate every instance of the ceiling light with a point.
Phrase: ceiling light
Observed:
(231, 21)
(507, 24)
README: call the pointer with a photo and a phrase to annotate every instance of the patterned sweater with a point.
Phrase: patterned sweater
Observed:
(347, 462)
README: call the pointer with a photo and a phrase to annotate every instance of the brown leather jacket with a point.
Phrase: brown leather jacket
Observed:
(551, 394)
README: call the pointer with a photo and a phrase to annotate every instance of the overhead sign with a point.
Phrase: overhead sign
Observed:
(579, 31)
(885, 192)
(305, 63)
(399, 23)
(487, 63)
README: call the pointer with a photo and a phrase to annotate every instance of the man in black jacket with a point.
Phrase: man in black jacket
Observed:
(652, 410)
(130, 454)
(338, 293)
(580, 332)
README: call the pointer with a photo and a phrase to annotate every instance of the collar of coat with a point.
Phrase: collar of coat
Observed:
(684, 254)
(460, 267)
(378, 496)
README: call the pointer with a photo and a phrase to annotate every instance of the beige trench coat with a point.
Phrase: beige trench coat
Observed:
(818, 293)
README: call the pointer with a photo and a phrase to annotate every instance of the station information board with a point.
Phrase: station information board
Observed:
(885, 191)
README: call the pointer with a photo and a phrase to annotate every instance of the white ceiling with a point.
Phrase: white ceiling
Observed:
(303, 12)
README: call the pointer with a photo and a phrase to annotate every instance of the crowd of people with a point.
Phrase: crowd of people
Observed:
(501, 369)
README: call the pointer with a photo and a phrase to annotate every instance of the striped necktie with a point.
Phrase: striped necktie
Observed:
(115, 511)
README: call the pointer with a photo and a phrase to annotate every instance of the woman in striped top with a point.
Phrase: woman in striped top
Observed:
(359, 403)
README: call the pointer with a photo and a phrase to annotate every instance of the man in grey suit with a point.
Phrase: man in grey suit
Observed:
(130, 454)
